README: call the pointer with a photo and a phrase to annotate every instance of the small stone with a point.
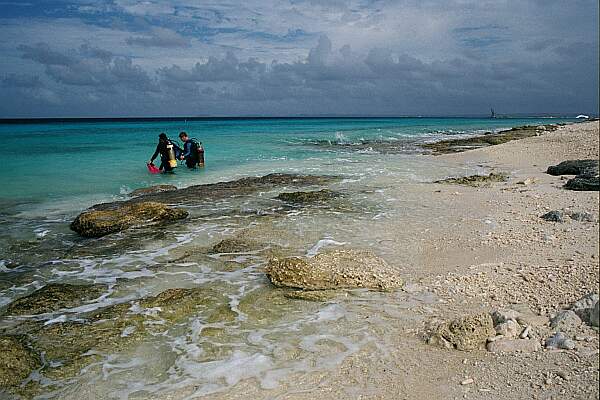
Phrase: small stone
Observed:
(560, 341)
(563, 375)
(565, 320)
(582, 216)
(467, 381)
(584, 307)
(554, 216)
(509, 329)
(502, 315)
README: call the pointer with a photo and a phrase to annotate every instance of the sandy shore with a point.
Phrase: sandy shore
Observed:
(488, 249)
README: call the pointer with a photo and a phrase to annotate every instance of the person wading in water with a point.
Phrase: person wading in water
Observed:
(193, 152)
(168, 153)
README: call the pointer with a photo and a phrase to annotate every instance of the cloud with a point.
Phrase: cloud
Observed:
(89, 66)
(274, 57)
(159, 37)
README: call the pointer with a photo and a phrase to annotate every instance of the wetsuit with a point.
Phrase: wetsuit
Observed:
(161, 148)
(190, 153)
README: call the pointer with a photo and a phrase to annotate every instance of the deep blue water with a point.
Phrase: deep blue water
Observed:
(62, 160)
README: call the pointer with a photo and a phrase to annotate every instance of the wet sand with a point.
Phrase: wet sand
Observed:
(487, 249)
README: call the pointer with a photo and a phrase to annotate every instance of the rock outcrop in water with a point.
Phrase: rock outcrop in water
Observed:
(152, 189)
(53, 297)
(16, 362)
(466, 333)
(237, 245)
(101, 222)
(334, 270)
(103, 219)
(490, 139)
(212, 191)
(67, 346)
(476, 180)
(307, 197)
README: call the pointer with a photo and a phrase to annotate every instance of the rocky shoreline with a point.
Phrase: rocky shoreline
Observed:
(525, 289)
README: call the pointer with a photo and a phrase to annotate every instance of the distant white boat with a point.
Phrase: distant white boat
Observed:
(583, 116)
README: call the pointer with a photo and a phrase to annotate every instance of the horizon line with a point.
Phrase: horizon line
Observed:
(12, 120)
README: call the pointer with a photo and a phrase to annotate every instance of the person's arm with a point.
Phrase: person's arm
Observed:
(187, 147)
(156, 152)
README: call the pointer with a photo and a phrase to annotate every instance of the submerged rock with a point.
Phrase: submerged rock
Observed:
(467, 333)
(53, 297)
(212, 191)
(575, 167)
(237, 245)
(334, 270)
(97, 223)
(16, 362)
(152, 189)
(476, 180)
(307, 197)
(514, 346)
(583, 183)
(312, 295)
(174, 304)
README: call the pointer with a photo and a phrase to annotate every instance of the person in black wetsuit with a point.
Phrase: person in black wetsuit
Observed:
(190, 151)
(161, 148)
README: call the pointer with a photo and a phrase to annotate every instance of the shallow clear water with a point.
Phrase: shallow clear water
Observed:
(53, 171)
(61, 160)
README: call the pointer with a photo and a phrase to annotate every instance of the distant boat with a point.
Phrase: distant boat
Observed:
(492, 114)
(583, 116)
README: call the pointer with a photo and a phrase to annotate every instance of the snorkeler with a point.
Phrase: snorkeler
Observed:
(168, 151)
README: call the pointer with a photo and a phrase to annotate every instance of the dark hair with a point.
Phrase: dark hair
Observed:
(163, 136)
(182, 134)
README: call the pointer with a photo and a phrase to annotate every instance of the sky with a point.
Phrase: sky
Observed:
(127, 58)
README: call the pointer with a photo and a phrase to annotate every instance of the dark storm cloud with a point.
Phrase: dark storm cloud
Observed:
(89, 66)
(290, 57)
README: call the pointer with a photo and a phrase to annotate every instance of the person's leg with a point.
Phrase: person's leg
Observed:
(190, 163)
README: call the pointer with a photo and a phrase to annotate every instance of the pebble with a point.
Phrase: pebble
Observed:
(467, 381)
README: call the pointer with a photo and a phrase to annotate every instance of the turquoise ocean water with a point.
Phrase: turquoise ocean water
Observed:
(52, 171)
(62, 161)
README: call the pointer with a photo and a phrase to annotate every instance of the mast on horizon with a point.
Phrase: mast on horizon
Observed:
(492, 114)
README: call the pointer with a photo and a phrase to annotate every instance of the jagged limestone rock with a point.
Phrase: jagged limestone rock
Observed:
(476, 180)
(16, 361)
(466, 333)
(336, 269)
(53, 297)
(307, 197)
(97, 223)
